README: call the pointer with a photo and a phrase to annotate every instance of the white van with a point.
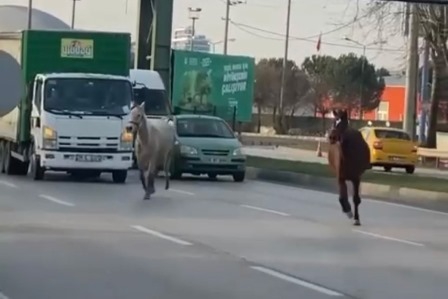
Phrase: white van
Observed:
(149, 88)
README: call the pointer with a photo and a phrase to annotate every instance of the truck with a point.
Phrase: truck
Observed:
(65, 100)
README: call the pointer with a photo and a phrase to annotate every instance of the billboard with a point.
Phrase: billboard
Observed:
(205, 83)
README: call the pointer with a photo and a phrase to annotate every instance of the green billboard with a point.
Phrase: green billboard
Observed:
(205, 83)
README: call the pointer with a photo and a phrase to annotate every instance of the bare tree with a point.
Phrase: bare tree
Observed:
(433, 20)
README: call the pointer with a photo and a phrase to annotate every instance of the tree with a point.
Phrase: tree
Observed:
(356, 85)
(433, 20)
(382, 72)
(268, 85)
(320, 70)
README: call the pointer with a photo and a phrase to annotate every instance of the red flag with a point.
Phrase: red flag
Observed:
(319, 42)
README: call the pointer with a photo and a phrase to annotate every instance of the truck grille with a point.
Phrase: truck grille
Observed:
(208, 152)
(88, 144)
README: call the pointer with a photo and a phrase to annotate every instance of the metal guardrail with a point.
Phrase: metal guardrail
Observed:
(440, 156)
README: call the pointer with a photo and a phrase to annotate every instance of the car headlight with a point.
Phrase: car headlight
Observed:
(188, 150)
(238, 152)
(126, 140)
(50, 138)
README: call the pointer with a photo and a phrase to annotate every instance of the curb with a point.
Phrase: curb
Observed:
(430, 199)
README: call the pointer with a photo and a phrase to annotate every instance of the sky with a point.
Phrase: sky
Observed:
(253, 20)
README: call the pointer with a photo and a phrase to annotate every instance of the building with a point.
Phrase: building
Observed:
(15, 18)
(182, 38)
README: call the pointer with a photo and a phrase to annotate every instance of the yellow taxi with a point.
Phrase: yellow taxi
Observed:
(390, 148)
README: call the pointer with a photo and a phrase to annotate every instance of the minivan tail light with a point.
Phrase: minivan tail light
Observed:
(378, 145)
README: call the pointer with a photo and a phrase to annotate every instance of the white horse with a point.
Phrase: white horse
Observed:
(153, 146)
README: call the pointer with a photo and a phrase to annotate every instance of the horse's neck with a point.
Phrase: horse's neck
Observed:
(143, 132)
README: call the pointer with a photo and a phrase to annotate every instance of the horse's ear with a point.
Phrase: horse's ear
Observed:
(335, 113)
(142, 105)
(344, 114)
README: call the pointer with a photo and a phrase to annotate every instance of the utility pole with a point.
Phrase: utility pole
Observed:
(424, 94)
(411, 73)
(193, 15)
(30, 14)
(226, 26)
(227, 21)
(74, 12)
(285, 58)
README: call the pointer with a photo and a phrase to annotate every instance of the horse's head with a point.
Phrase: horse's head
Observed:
(340, 124)
(137, 118)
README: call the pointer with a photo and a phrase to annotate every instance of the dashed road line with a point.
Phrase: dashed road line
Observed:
(181, 191)
(160, 235)
(378, 236)
(55, 200)
(265, 210)
(297, 281)
(5, 183)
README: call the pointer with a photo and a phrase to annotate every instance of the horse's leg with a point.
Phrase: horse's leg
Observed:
(343, 198)
(167, 167)
(356, 199)
(142, 179)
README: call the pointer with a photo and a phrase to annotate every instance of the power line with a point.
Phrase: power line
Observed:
(243, 27)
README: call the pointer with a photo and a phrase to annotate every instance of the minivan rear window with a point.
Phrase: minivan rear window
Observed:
(391, 134)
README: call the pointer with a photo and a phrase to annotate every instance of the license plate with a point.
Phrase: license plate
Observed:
(88, 158)
(217, 160)
(396, 158)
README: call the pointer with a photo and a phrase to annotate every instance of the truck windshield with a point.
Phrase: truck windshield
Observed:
(88, 96)
(156, 101)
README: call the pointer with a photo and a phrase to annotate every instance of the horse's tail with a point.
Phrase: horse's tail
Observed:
(167, 168)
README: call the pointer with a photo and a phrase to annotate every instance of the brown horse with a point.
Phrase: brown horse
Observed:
(349, 158)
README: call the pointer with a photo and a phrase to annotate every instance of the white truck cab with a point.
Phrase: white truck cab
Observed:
(78, 124)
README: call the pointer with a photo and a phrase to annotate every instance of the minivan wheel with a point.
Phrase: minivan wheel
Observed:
(410, 169)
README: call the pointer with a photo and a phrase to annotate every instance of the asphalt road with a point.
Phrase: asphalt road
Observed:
(203, 239)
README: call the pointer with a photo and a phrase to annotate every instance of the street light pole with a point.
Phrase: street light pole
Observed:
(74, 12)
(285, 58)
(30, 14)
(193, 15)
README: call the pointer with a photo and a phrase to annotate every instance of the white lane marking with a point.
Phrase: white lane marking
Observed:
(388, 238)
(55, 200)
(160, 235)
(408, 207)
(297, 281)
(5, 183)
(181, 192)
(374, 201)
(265, 210)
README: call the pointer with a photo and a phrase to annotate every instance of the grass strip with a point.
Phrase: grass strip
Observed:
(322, 170)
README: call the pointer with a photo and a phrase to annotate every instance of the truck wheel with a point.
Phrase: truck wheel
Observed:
(119, 176)
(239, 176)
(35, 169)
(2, 157)
(10, 164)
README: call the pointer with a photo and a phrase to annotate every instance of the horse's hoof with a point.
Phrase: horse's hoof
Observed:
(357, 223)
(349, 215)
(147, 197)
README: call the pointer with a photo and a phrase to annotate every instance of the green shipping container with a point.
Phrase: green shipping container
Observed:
(46, 51)
(75, 51)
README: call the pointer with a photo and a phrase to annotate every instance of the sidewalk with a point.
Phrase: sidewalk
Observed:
(286, 153)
